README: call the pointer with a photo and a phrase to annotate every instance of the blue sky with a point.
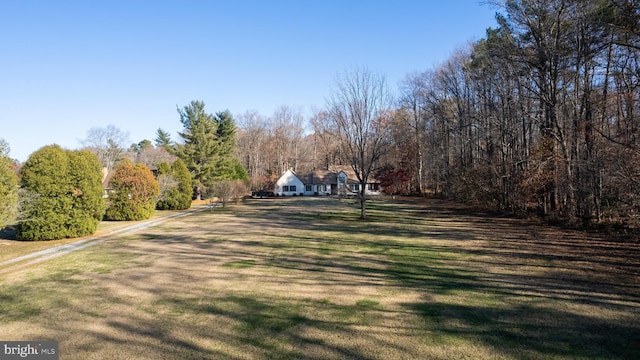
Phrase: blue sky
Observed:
(68, 66)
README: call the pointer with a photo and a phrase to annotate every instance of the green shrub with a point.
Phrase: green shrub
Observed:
(88, 205)
(135, 191)
(67, 189)
(8, 192)
(179, 196)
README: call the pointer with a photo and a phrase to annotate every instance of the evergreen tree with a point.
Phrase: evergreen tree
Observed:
(238, 171)
(185, 187)
(208, 145)
(225, 162)
(8, 191)
(163, 139)
(177, 197)
(88, 205)
(45, 174)
(164, 168)
(142, 145)
(200, 146)
(226, 133)
(68, 194)
(167, 184)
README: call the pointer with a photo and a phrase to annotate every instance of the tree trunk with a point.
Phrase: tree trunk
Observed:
(363, 201)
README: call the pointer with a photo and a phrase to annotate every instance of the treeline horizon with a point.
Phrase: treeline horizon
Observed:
(539, 116)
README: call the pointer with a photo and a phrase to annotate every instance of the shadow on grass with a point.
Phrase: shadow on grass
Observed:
(516, 263)
(521, 290)
(531, 332)
(285, 329)
(569, 269)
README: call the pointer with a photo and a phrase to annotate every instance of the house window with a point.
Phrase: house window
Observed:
(292, 188)
(355, 187)
(285, 188)
(308, 188)
(373, 186)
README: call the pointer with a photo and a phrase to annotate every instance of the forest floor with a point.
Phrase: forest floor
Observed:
(304, 278)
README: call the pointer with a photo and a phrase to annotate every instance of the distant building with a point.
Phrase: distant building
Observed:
(333, 181)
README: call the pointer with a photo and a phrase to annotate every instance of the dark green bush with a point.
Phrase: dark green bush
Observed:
(179, 196)
(134, 194)
(88, 206)
(67, 189)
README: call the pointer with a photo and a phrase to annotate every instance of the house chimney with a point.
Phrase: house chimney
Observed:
(310, 179)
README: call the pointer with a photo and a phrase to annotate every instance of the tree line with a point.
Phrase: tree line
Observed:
(59, 193)
(541, 115)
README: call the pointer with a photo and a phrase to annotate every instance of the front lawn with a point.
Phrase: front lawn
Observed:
(304, 278)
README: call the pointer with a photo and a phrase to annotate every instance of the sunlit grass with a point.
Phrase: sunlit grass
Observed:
(11, 248)
(304, 278)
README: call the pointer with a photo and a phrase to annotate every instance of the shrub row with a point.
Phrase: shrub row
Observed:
(64, 194)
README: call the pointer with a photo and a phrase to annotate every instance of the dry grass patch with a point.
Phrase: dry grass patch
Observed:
(11, 248)
(302, 278)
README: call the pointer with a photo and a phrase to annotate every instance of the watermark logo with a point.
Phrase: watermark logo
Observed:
(32, 350)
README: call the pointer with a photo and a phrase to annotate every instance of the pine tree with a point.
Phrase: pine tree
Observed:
(225, 163)
(208, 146)
(163, 138)
(200, 145)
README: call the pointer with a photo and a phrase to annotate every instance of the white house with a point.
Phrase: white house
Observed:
(289, 184)
(334, 181)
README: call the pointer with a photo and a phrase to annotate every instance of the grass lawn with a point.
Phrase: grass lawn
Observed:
(304, 278)
(10, 248)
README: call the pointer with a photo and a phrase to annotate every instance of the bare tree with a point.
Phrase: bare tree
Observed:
(228, 190)
(325, 149)
(360, 108)
(252, 147)
(414, 117)
(287, 130)
(107, 143)
(152, 156)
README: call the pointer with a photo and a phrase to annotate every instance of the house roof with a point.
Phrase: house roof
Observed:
(328, 176)
(320, 177)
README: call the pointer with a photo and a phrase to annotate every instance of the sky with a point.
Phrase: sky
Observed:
(68, 66)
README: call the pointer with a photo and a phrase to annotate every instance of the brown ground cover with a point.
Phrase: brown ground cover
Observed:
(303, 278)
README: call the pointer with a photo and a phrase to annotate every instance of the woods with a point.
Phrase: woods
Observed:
(539, 116)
